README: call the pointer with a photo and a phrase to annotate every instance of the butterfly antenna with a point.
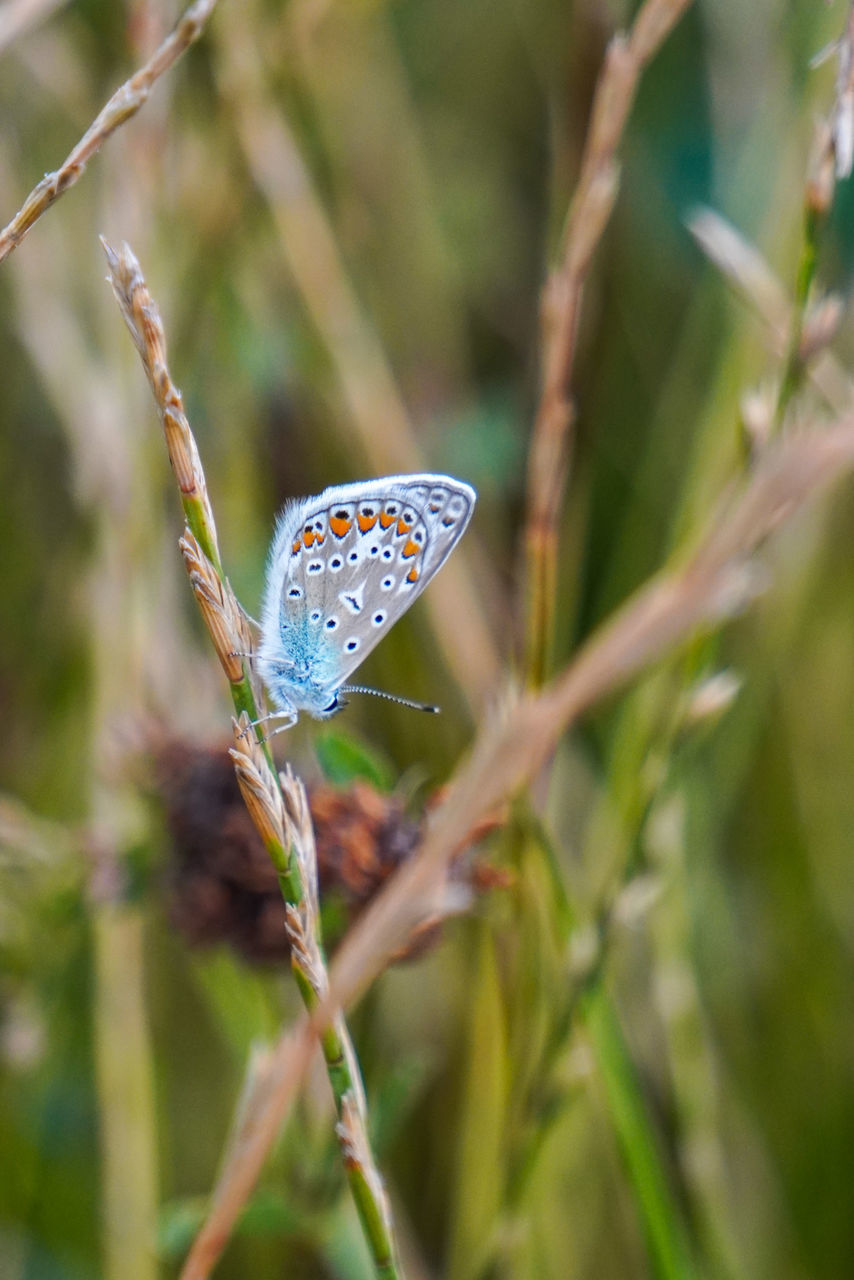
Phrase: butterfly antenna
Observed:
(392, 697)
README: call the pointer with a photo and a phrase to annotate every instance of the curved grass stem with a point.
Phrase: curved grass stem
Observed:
(124, 103)
(279, 810)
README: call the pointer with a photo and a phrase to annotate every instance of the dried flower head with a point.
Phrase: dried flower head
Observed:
(222, 884)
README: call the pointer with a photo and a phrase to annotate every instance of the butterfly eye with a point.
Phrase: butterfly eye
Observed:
(333, 706)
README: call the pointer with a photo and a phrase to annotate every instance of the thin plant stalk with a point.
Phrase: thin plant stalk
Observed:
(590, 209)
(279, 812)
(125, 102)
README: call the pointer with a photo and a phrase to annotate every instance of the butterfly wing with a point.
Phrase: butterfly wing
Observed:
(347, 564)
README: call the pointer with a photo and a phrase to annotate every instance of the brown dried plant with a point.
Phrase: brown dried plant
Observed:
(596, 191)
(125, 102)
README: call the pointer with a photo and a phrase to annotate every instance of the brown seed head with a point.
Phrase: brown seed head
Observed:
(223, 886)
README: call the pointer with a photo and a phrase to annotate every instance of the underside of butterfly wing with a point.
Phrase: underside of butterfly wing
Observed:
(343, 568)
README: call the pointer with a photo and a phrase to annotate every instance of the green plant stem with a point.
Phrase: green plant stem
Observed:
(340, 1059)
(667, 1238)
(338, 1052)
(373, 1217)
(200, 524)
(287, 872)
(794, 368)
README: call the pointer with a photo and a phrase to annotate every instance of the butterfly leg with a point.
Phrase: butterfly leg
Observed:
(289, 717)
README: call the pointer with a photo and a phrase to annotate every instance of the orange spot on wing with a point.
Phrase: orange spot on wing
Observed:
(410, 549)
(339, 527)
(308, 537)
(295, 548)
(366, 523)
(386, 520)
(412, 576)
(402, 528)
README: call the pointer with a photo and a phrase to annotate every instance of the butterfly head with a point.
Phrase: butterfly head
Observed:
(332, 708)
(292, 693)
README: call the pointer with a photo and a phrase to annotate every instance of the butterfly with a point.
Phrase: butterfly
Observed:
(343, 567)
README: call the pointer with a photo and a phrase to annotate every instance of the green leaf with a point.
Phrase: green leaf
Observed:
(343, 760)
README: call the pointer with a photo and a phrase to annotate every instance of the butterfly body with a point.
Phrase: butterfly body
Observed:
(343, 567)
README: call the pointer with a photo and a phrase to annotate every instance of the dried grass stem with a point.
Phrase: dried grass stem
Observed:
(591, 206)
(124, 103)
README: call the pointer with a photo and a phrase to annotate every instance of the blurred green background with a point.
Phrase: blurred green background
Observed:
(638, 1060)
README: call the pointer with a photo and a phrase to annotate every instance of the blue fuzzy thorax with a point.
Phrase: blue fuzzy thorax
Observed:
(299, 668)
